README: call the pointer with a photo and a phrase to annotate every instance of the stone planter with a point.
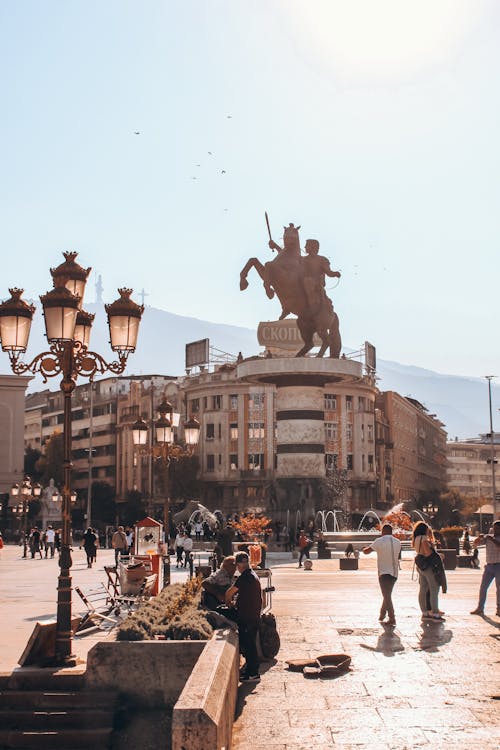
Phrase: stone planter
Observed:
(178, 694)
(349, 563)
(324, 553)
(449, 558)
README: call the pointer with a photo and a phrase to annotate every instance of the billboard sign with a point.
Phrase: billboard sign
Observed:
(197, 353)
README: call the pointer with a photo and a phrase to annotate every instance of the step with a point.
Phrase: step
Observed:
(27, 678)
(25, 699)
(97, 739)
(56, 720)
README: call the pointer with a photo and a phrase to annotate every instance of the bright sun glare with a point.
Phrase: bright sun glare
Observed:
(380, 41)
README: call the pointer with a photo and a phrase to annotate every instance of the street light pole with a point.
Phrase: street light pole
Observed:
(68, 333)
(165, 447)
(28, 492)
(489, 378)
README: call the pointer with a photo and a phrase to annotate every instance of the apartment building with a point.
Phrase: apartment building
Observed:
(414, 448)
(469, 466)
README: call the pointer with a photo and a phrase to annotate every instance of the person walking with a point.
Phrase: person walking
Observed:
(387, 548)
(305, 544)
(179, 547)
(188, 548)
(89, 545)
(246, 588)
(35, 543)
(492, 568)
(430, 572)
(50, 539)
(119, 543)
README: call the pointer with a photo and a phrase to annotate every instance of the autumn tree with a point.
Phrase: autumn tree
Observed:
(251, 526)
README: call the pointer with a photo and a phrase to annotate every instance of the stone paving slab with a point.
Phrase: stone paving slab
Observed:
(417, 686)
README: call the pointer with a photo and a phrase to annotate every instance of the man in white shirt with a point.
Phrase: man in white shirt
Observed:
(387, 548)
(50, 537)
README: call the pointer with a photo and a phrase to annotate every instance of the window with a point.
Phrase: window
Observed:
(195, 405)
(363, 462)
(216, 402)
(255, 461)
(348, 403)
(205, 402)
(256, 400)
(220, 430)
(210, 462)
(331, 432)
(361, 403)
(362, 432)
(330, 401)
(233, 401)
(233, 431)
(350, 461)
(370, 462)
(210, 431)
(331, 460)
(233, 461)
(348, 431)
(255, 430)
(220, 459)
(370, 433)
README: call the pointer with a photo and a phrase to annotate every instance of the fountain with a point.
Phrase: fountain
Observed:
(324, 515)
(371, 513)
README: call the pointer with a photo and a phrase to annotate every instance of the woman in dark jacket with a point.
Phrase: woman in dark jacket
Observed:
(89, 545)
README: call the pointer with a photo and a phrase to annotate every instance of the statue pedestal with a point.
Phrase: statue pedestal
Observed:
(300, 413)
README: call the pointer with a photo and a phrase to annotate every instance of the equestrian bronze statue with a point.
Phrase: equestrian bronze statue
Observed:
(299, 283)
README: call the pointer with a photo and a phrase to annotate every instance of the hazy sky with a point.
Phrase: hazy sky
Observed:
(375, 125)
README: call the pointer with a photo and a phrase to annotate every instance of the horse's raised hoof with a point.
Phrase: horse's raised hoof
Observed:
(243, 284)
(269, 291)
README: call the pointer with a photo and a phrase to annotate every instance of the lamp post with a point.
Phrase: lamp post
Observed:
(165, 447)
(68, 333)
(480, 509)
(492, 459)
(431, 509)
(28, 492)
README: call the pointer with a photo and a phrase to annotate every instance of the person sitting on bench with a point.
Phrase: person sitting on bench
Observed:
(217, 583)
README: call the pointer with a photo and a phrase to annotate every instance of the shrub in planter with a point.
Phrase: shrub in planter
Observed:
(452, 536)
(175, 613)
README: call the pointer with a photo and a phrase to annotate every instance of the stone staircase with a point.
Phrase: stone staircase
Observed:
(40, 709)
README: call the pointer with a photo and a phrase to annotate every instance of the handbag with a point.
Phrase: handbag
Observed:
(422, 562)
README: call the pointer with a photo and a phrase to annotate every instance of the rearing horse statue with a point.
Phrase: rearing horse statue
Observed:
(298, 282)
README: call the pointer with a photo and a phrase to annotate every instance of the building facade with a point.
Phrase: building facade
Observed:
(469, 467)
(412, 448)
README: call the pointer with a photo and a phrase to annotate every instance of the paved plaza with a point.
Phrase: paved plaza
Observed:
(420, 685)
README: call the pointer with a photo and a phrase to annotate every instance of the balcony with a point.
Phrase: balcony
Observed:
(256, 474)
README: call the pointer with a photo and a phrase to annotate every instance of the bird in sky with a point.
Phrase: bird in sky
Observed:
(229, 117)
(137, 132)
(223, 171)
(210, 153)
(194, 178)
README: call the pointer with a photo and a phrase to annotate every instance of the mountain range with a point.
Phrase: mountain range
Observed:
(461, 403)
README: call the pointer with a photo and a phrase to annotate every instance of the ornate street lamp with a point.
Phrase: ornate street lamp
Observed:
(165, 446)
(68, 333)
(28, 492)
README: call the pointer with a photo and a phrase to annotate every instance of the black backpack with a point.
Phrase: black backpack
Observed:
(269, 636)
